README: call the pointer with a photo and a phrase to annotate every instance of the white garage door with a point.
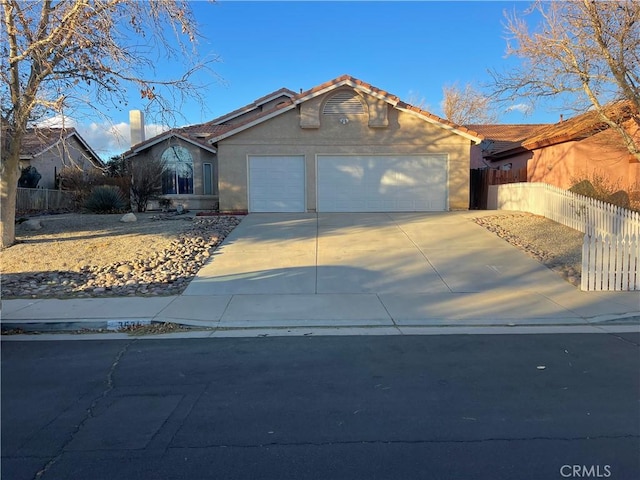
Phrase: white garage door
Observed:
(382, 183)
(276, 184)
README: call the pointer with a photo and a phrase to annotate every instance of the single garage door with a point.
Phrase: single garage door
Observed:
(276, 184)
(382, 183)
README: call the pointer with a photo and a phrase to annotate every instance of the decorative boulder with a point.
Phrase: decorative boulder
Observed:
(33, 224)
(128, 218)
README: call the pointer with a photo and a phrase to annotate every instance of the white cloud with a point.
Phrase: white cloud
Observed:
(523, 108)
(113, 139)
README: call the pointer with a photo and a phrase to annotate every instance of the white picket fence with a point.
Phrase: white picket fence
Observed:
(611, 247)
(610, 263)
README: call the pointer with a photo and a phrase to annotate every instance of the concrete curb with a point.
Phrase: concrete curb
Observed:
(335, 331)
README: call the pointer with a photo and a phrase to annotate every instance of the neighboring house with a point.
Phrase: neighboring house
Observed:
(344, 145)
(50, 150)
(499, 138)
(562, 153)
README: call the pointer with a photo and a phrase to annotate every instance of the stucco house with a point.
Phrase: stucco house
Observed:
(342, 146)
(50, 150)
(561, 153)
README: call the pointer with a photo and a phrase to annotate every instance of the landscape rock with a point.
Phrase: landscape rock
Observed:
(128, 218)
(33, 224)
(165, 273)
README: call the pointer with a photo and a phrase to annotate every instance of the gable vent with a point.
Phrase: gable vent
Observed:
(343, 103)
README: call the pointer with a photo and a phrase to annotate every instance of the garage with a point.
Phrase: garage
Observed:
(371, 183)
(276, 183)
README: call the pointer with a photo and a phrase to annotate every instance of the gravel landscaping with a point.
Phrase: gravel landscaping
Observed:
(552, 244)
(97, 255)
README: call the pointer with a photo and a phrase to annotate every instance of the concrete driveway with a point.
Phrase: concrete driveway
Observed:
(386, 270)
(351, 253)
(373, 274)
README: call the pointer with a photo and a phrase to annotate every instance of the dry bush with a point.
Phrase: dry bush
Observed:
(601, 187)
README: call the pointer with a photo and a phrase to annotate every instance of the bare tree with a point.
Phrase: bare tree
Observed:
(585, 52)
(467, 105)
(68, 55)
(146, 180)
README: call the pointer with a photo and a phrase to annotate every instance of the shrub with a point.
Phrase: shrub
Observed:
(599, 186)
(584, 187)
(105, 199)
(621, 199)
(146, 180)
(29, 177)
(79, 182)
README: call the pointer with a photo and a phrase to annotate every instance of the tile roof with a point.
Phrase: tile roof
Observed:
(581, 126)
(501, 137)
(38, 140)
(358, 84)
(253, 105)
(200, 133)
(576, 128)
(210, 132)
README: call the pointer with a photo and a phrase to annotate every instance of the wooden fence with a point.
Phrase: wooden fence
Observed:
(611, 246)
(481, 178)
(610, 263)
(42, 199)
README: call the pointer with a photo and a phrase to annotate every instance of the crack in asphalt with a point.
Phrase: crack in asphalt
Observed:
(89, 413)
(406, 442)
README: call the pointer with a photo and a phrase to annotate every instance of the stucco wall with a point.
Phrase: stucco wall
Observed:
(404, 134)
(51, 162)
(563, 164)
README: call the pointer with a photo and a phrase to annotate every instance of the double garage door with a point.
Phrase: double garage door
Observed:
(350, 183)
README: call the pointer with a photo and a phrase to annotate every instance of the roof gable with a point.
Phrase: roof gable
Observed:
(193, 134)
(283, 93)
(38, 141)
(358, 85)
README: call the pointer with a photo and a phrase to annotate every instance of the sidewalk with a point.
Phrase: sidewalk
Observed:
(501, 310)
(333, 273)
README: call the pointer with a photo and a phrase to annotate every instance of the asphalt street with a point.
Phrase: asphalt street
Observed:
(366, 407)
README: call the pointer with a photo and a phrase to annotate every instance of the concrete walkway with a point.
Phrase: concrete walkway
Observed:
(393, 273)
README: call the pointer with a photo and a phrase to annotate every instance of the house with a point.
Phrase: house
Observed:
(342, 146)
(50, 150)
(498, 138)
(560, 154)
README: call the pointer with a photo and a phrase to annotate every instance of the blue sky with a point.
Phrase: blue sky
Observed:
(410, 49)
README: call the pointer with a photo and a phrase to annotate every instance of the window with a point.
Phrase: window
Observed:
(343, 103)
(207, 175)
(178, 173)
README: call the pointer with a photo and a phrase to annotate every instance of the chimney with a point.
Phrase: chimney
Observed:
(136, 122)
